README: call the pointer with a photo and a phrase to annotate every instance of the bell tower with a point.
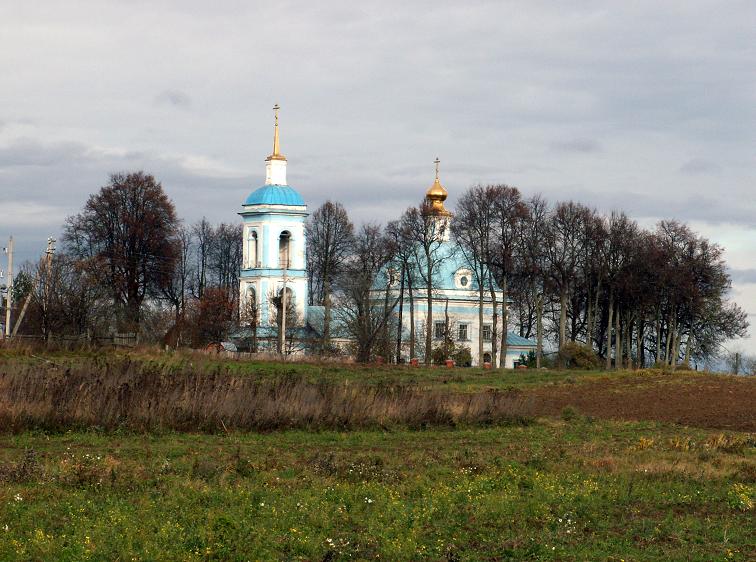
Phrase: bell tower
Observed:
(274, 242)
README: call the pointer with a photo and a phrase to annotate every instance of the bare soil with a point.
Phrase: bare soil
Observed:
(706, 401)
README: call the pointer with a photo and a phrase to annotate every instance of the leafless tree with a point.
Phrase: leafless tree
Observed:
(202, 233)
(329, 239)
(365, 298)
(472, 227)
(427, 233)
(508, 214)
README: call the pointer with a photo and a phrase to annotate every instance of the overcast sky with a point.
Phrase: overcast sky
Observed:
(648, 107)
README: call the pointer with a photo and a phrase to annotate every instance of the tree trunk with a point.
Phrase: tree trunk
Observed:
(667, 347)
(676, 348)
(688, 345)
(609, 332)
(588, 321)
(401, 317)
(629, 341)
(481, 319)
(539, 329)
(429, 323)
(326, 343)
(671, 328)
(413, 344)
(657, 350)
(618, 339)
(594, 319)
(494, 324)
(504, 322)
(640, 344)
(562, 316)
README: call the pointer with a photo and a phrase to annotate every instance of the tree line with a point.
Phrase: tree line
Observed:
(577, 279)
(127, 264)
(580, 282)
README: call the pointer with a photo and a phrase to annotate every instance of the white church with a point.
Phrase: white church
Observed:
(274, 265)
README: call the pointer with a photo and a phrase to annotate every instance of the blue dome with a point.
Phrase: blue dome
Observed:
(275, 195)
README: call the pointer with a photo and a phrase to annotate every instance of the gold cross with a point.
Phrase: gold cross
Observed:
(437, 162)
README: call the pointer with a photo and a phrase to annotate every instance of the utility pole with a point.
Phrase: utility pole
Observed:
(48, 267)
(283, 310)
(9, 295)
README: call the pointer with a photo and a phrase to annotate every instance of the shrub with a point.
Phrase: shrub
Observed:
(570, 413)
(573, 355)
(459, 353)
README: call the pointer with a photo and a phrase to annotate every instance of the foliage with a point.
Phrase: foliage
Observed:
(459, 353)
(575, 355)
(125, 237)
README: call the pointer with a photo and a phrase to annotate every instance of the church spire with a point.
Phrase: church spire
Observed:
(276, 144)
(275, 164)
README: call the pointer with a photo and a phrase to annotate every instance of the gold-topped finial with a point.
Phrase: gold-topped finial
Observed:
(436, 195)
(276, 146)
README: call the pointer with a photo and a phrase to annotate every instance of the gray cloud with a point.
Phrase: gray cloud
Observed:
(175, 98)
(576, 145)
(698, 166)
(606, 105)
(743, 275)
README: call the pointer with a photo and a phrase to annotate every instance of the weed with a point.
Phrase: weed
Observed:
(570, 413)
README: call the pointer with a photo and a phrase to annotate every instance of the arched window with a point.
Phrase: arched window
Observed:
(290, 300)
(290, 305)
(284, 250)
(249, 310)
(252, 250)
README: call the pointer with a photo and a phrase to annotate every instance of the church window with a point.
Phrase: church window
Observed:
(284, 247)
(252, 250)
(462, 332)
(464, 281)
(486, 332)
(439, 328)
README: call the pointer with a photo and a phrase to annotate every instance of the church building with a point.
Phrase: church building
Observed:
(274, 271)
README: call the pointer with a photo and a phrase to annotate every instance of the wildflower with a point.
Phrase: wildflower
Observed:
(368, 500)
(6, 529)
(262, 504)
(18, 498)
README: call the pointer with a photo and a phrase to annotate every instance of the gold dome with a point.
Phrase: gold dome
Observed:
(436, 195)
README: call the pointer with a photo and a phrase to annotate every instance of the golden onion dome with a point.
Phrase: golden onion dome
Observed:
(436, 195)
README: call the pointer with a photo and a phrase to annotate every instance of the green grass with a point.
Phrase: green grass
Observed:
(553, 490)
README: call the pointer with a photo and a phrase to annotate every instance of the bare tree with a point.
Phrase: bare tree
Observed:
(427, 233)
(472, 227)
(508, 213)
(329, 238)
(366, 301)
(404, 261)
(202, 232)
(534, 251)
(565, 251)
(176, 287)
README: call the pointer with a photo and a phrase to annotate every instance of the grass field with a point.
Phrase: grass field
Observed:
(596, 469)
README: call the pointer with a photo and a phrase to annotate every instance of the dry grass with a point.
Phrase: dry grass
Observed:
(117, 392)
